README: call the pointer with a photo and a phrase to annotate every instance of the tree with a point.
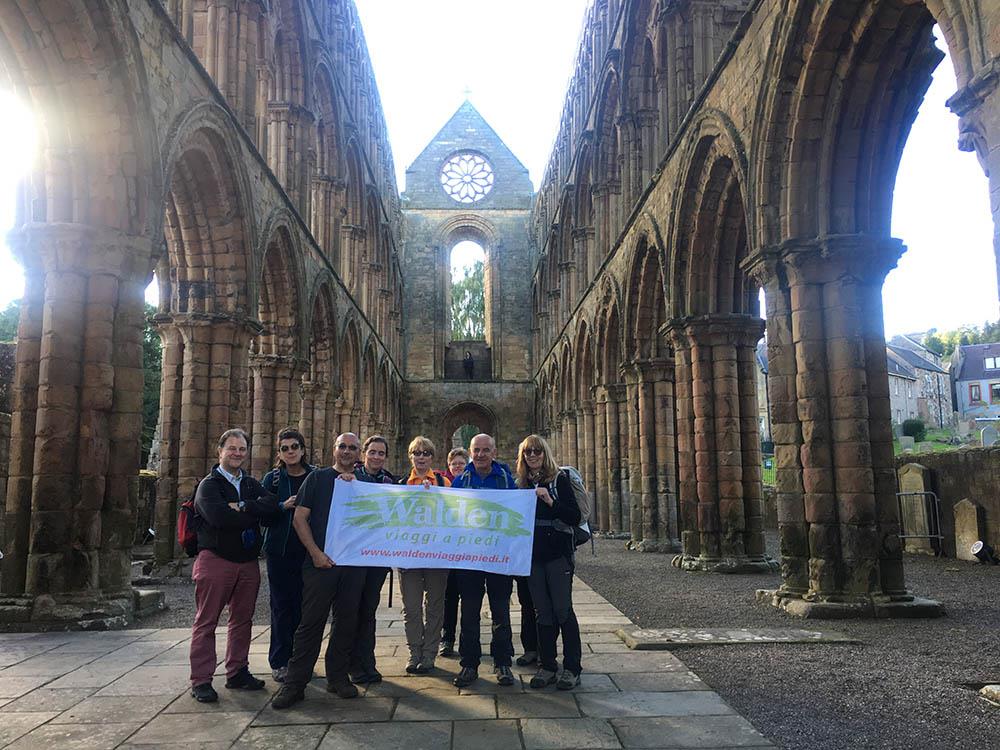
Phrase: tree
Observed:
(945, 342)
(8, 321)
(152, 375)
(468, 305)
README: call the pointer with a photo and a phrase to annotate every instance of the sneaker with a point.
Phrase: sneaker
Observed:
(243, 680)
(342, 689)
(279, 674)
(466, 677)
(286, 697)
(504, 675)
(567, 680)
(526, 659)
(204, 693)
(413, 665)
(542, 678)
(425, 666)
(367, 678)
(447, 648)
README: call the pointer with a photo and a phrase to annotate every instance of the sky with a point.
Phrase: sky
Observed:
(513, 60)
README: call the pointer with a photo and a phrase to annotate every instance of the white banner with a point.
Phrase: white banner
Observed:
(402, 526)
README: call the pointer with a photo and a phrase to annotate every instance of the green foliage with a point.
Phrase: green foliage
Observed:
(152, 375)
(915, 429)
(945, 342)
(8, 321)
(465, 433)
(468, 304)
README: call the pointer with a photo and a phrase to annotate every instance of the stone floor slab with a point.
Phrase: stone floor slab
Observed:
(658, 681)
(673, 638)
(13, 725)
(47, 699)
(99, 709)
(50, 665)
(151, 681)
(229, 700)
(396, 687)
(320, 707)
(75, 737)
(428, 735)
(688, 732)
(444, 705)
(15, 687)
(563, 734)
(303, 737)
(95, 675)
(209, 727)
(692, 703)
(646, 661)
(496, 734)
(537, 705)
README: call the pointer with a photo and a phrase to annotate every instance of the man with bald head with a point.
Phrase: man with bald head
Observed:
(484, 473)
(326, 586)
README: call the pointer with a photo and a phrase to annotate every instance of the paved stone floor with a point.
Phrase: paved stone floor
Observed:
(129, 689)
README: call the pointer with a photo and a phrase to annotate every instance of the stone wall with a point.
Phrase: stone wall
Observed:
(972, 473)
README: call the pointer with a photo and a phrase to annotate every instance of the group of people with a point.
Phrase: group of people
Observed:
(285, 515)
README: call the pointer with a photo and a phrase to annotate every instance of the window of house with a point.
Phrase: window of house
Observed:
(909, 389)
(995, 393)
(975, 394)
(991, 363)
(895, 386)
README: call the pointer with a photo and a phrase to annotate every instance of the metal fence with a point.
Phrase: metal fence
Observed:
(767, 473)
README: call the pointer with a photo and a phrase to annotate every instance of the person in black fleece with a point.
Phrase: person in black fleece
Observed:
(230, 505)
(552, 566)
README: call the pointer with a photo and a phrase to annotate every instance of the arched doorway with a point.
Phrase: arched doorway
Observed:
(463, 421)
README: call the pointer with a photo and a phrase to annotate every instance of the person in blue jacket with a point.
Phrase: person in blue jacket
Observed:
(285, 553)
(484, 473)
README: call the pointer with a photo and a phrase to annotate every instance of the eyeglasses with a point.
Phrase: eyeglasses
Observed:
(289, 448)
(533, 451)
(348, 447)
(422, 454)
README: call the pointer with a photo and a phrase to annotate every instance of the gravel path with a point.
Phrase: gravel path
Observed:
(904, 686)
(909, 684)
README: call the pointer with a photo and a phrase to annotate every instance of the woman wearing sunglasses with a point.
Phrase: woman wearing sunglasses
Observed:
(552, 567)
(423, 588)
(285, 553)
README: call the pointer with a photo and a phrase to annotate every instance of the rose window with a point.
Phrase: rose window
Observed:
(467, 178)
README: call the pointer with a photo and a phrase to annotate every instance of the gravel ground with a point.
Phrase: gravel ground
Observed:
(908, 684)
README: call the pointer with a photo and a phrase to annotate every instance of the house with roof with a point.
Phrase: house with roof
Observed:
(976, 375)
(933, 383)
(904, 387)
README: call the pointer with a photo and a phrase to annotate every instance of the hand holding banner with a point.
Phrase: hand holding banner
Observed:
(404, 526)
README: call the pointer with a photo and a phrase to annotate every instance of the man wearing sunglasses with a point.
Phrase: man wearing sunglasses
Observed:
(325, 586)
(484, 473)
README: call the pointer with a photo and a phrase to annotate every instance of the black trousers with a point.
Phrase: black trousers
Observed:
(363, 653)
(472, 584)
(337, 589)
(284, 579)
(450, 608)
(529, 628)
(552, 591)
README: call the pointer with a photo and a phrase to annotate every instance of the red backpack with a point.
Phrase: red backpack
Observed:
(188, 523)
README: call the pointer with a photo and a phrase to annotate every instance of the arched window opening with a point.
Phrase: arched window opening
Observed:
(18, 149)
(462, 437)
(468, 292)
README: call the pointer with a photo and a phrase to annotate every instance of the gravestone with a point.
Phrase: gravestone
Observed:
(897, 431)
(914, 478)
(925, 447)
(906, 443)
(969, 528)
(988, 435)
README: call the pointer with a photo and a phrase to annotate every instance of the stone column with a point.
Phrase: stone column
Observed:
(721, 446)
(289, 142)
(585, 437)
(570, 448)
(325, 218)
(556, 442)
(661, 374)
(583, 240)
(315, 418)
(275, 404)
(630, 414)
(601, 466)
(837, 513)
(77, 416)
(230, 53)
(568, 284)
(616, 430)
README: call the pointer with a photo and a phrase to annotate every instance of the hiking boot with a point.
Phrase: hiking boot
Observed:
(367, 678)
(413, 665)
(204, 693)
(567, 680)
(279, 674)
(243, 680)
(425, 666)
(466, 677)
(286, 697)
(342, 689)
(447, 648)
(526, 659)
(542, 678)
(504, 675)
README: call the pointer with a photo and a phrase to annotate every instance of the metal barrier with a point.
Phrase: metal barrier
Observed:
(930, 504)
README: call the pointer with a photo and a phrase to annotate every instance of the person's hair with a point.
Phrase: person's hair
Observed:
(421, 443)
(375, 439)
(549, 470)
(289, 433)
(455, 452)
(233, 432)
